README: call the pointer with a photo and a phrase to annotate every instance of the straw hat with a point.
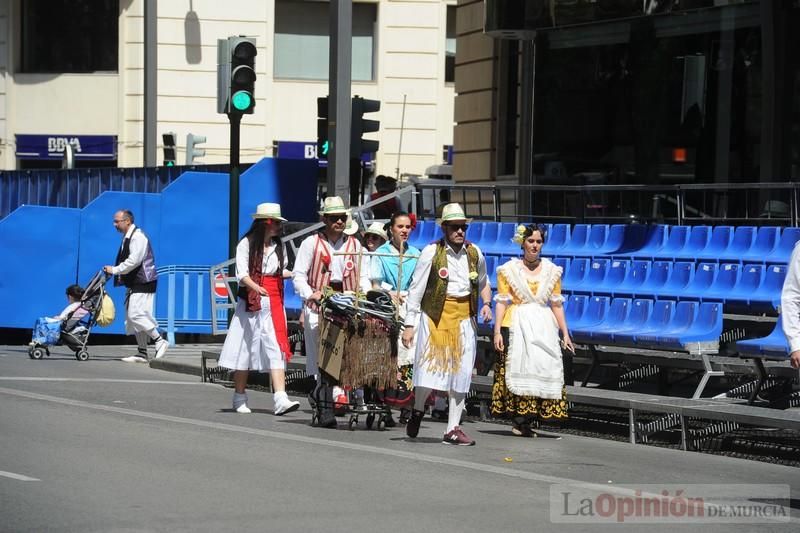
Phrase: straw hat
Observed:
(269, 210)
(376, 228)
(453, 213)
(351, 226)
(333, 205)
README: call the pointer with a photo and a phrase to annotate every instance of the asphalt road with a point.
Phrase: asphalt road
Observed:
(107, 446)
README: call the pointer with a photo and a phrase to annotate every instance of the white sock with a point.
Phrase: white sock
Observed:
(154, 334)
(420, 397)
(457, 402)
(279, 396)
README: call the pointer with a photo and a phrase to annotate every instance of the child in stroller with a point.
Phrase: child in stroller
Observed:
(72, 326)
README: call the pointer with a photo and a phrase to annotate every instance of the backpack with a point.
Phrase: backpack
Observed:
(107, 311)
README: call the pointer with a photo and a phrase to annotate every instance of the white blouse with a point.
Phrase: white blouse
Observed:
(269, 264)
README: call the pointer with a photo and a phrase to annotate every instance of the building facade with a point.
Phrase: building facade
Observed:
(627, 92)
(72, 72)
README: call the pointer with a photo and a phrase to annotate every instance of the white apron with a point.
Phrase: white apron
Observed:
(533, 363)
(251, 343)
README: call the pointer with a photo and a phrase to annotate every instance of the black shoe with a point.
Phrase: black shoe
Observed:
(328, 421)
(404, 413)
(412, 428)
(389, 421)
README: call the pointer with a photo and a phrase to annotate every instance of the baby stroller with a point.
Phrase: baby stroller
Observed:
(74, 332)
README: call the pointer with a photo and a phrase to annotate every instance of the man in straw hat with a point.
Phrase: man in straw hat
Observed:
(313, 267)
(442, 303)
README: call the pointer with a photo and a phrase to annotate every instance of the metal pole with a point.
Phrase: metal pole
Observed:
(341, 51)
(150, 133)
(233, 191)
(400, 144)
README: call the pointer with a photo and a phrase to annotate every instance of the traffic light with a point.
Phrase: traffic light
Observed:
(360, 126)
(191, 151)
(322, 128)
(236, 75)
(170, 150)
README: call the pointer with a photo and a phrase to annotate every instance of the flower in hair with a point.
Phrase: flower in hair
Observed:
(519, 236)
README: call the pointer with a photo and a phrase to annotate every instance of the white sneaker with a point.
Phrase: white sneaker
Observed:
(161, 348)
(243, 409)
(285, 405)
(134, 359)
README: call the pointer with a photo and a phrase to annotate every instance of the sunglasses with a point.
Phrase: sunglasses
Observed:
(456, 227)
(336, 218)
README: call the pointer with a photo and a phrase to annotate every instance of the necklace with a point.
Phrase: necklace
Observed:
(532, 264)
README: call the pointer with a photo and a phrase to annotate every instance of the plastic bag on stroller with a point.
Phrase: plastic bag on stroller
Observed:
(47, 331)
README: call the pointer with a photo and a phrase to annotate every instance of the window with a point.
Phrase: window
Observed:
(69, 35)
(450, 46)
(302, 40)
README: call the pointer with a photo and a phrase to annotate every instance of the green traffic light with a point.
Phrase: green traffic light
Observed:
(242, 101)
(325, 148)
(170, 164)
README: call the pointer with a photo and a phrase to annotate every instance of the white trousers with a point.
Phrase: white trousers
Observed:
(311, 335)
(139, 313)
(458, 381)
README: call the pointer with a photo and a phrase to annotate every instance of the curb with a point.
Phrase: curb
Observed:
(175, 366)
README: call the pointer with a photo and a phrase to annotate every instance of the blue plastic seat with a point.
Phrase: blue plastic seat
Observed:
(502, 244)
(617, 272)
(423, 234)
(634, 278)
(749, 283)
(656, 278)
(617, 314)
(563, 262)
(654, 241)
(705, 328)
(695, 243)
(704, 275)
(595, 275)
(559, 235)
(773, 346)
(491, 269)
(614, 240)
(475, 233)
(598, 233)
(657, 322)
(742, 242)
(679, 321)
(577, 240)
(676, 242)
(680, 277)
(785, 246)
(763, 245)
(724, 283)
(488, 236)
(575, 274)
(574, 307)
(622, 334)
(595, 311)
(770, 290)
(717, 245)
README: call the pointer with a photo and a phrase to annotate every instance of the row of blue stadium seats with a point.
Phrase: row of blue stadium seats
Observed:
(645, 323)
(753, 286)
(745, 244)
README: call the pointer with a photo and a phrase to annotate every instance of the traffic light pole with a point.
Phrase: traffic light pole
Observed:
(233, 194)
(341, 50)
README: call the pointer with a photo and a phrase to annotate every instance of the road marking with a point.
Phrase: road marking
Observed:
(18, 477)
(414, 456)
(104, 380)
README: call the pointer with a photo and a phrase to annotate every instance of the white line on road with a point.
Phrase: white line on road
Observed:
(104, 380)
(18, 477)
(503, 471)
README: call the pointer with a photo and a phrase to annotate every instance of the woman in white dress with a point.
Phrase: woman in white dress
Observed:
(257, 338)
(529, 371)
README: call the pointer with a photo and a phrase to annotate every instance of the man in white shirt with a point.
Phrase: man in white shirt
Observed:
(443, 304)
(312, 272)
(790, 307)
(136, 269)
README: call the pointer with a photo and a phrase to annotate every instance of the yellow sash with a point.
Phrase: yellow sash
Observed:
(444, 344)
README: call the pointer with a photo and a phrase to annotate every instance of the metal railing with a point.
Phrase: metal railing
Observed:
(754, 203)
(188, 313)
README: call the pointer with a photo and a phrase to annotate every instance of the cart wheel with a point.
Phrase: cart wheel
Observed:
(370, 420)
(381, 424)
(36, 353)
(82, 355)
(351, 424)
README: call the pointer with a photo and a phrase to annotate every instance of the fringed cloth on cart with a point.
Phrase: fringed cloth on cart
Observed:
(358, 343)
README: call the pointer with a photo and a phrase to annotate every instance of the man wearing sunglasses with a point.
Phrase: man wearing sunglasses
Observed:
(443, 304)
(313, 266)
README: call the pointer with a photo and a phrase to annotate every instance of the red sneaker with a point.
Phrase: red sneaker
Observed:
(458, 438)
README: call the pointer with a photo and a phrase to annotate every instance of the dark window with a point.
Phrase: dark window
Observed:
(69, 35)
(450, 46)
